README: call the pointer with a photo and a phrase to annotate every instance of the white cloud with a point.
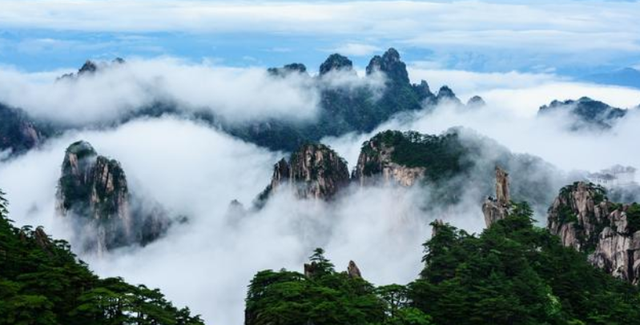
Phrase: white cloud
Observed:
(546, 27)
(194, 170)
(232, 93)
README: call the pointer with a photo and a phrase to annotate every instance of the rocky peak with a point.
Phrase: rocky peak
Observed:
(288, 69)
(336, 62)
(586, 111)
(88, 67)
(391, 65)
(423, 91)
(577, 215)
(313, 171)
(498, 208)
(446, 95)
(93, 191)
(376, 163)
(476, 102)
(584, 219)
(353, 271)
(17, 132)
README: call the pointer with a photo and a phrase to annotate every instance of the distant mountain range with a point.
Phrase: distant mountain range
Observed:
(626, 77)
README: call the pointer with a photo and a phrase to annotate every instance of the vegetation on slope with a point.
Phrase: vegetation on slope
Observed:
(512, 273)
(42, 282)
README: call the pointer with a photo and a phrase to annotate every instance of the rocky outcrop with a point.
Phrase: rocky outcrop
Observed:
(17, 132)
(314, 171)
(586, 112)
(353, 271)
(447, 96)
(584, 219)
(336, 62)
(498, 208)
(93, 193)
(91, 67)
(391, 65)
(288, 69)
(476, 102)
(375, 163)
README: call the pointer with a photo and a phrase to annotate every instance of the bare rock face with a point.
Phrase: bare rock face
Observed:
(497, 208)
(93, 191)
(353, 271)
(17, 132)
(584, 219)
(375, 163)
(314, 171)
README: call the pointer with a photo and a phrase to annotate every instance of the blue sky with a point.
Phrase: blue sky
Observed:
(564, 37)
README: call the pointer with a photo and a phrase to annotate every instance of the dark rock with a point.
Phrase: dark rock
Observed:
(18, 133)
(588, 113)
(446, 95)
(336, 62)
(391, 65)
(288, 69)
(93, 191)
(313, 171)
(476, 102)
(353, 271)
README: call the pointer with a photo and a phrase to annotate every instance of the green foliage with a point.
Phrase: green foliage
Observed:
(633, 217)
(41, 282)
(515, 273)
(442, 156)
(326, 297)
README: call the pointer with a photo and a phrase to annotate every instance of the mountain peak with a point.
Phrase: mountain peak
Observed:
(336, 62)
(88, 67)
(288, 69)
(391, 65)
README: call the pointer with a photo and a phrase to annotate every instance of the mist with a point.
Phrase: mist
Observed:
(195, 170)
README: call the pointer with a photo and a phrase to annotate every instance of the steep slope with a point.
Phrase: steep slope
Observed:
(587, 113)
(455, 164)
(18, 133)
(93, 191)
(587, 221)
(498, 208)
(344, 109)
(42, 282)
(313, 171)
(511, 273)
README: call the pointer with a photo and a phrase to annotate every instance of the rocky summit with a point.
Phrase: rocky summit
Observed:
(313, 171)
(93, 193)
(18, 133)
(498, 208)
(586, 112)
(584, 218)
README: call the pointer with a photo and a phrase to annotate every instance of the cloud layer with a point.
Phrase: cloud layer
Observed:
(194, 170)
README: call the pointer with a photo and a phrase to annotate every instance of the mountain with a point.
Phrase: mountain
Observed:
(584, 219)
(456, 164)
(313, 171)
(90, 68)
(626, 77)
(358, 107)
(511, 273)
(18, 133)
(42, 282)
(93, 191)
(586, 112)
(343, 109)
(498, 208)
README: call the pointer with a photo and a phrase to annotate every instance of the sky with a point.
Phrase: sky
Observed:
(572, 38)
